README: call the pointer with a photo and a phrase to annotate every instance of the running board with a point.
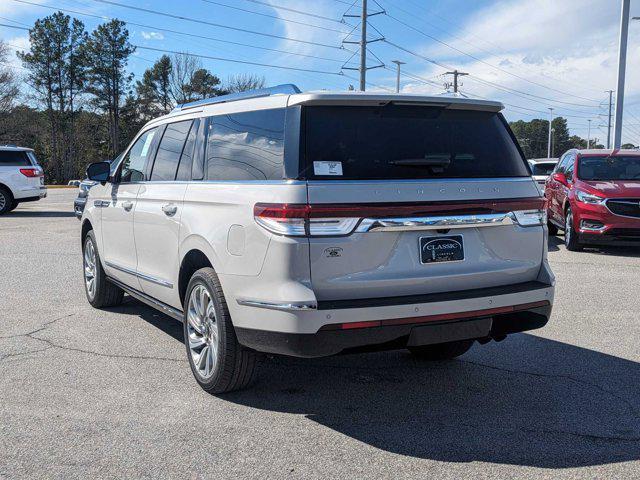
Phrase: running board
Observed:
(152, 302)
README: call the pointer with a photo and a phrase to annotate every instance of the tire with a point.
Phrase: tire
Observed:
(6, 201)
(553, 230)
(218, 362)
(442, 351)
(570, 235)
(99, 290)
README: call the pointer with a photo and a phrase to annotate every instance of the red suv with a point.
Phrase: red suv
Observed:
(594, 196)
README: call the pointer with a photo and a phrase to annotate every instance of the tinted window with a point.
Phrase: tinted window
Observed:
(609, 168)
(246, 146)
(396, 142)
(542, 168)
(14, 159)
(136, 158)
(571, 162)
(165, 166)
(186, 159)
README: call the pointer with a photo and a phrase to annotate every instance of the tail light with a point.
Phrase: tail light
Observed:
(300, 220)
(31, 172)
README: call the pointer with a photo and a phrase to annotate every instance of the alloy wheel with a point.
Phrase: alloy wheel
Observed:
(90, 269)
(568, 226)
(202, 331)
(3, 201)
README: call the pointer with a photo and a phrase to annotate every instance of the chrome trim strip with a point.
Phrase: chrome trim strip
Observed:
(143, 276)
(152, 302)
(434, 223)
(425, 181)
(288, 306)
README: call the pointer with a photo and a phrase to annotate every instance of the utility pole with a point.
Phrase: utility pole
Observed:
(589, 134)
(456, 74)
(549, 142)
(363, 47)
(622, 66)
(362, 69)
(398, 63)
(609, 124)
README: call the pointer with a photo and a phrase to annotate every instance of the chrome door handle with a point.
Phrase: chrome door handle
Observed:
(127, 205)
(169, 209)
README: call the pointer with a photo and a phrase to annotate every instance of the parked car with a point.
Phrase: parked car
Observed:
(81, 200)
(74, 183)
(594, 196)
(83, 190)
(21, 177)
(310, 224)
(541, 168)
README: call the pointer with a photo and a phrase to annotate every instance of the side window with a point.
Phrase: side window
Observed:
(571, 162)
(186, 159)
(14, 158)
(136, 158)
(246, 146)
(170, 149)
(560, 167)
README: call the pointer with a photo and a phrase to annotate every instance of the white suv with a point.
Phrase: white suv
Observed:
(320, 223)
(21, 178)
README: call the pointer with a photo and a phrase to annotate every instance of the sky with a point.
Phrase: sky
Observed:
(530, 54)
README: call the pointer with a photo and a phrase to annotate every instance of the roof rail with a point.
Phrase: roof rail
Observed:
(287, 88)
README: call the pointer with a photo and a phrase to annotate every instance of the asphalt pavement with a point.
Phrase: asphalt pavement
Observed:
(109, 393)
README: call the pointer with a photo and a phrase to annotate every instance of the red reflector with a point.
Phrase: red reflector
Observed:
(347, 326)
(30, 172)
(435, 318)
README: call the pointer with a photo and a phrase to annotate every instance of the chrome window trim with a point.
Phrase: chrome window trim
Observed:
(143, 276)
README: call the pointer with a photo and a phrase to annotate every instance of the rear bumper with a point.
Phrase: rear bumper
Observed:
(30, 194)
(333, 341)
(329, 327)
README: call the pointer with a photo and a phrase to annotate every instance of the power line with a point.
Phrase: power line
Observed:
(221, 59)
(300, 12)
(212, 24)
(311, 25)
(178, 32)
(489, 64)
(454, 24)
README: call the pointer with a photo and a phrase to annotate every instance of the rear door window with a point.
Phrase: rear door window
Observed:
(14, 158)
(170, 150)
(246, 146)
(407, 142)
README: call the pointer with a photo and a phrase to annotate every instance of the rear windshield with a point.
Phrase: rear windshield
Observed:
(14, 158)
(407, 142)
(609, 168)
(542, 168)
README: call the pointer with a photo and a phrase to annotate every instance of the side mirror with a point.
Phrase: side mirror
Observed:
(99, 172)
(561, 178)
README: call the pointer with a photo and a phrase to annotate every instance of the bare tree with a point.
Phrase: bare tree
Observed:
(8, 82)
(242, 82)
(184, 66)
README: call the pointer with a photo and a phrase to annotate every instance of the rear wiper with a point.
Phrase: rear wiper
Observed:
(435, 160)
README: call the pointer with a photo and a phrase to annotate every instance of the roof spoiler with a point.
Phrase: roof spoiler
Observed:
(286, 89)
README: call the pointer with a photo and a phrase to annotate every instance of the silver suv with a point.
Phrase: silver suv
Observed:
(311, 224)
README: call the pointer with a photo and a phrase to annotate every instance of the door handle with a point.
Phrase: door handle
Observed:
(169, 209)
(127, 205)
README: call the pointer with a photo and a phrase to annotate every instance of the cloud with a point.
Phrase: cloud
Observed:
(152, 35)
(552, 49)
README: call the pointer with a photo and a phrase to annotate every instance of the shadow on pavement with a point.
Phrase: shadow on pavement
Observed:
(554, 243)
(525, 401)
(38, 213)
